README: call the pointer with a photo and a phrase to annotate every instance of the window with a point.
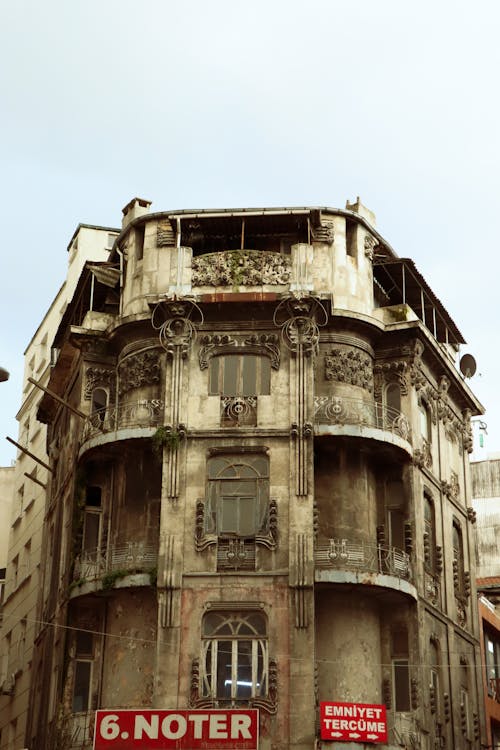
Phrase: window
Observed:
(435, 679)
(27, 558)
(458, 560)
(99, 405)
(238, 495)
(400, 669)
(234, 656)
(492, 652)
(393, 397)
(139, 242)
(92, 522)
(84, 654)
(425, 421)
(351, 238)
(429, 535)
(240, 375)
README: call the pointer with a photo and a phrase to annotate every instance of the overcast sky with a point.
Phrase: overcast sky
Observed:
(226, 104)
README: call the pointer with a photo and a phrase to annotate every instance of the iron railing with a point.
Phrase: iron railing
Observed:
(348, 555)
(238, 411)
(74, 732)
(129, 556)
(343, 410)
(142, 413)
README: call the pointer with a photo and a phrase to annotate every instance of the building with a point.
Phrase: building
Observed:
(259, 493)
(6, 494)
(485, 475)
(29, 479)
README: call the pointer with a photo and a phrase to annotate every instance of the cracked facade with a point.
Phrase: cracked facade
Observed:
(259, 485)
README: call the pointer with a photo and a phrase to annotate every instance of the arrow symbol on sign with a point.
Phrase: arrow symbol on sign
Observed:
(336, 734)
(372, 736)
(354, 734)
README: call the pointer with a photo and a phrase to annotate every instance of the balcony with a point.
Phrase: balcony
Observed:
(341, 415)
(74, 732)
(238, 411)
(116, 562)
(144, 413)
(360, 562)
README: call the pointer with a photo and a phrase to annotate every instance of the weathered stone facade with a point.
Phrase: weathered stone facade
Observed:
(271, 510)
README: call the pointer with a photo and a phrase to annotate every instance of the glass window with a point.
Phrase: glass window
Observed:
(84, 647)
(238, 495)
(393, 397)
(425, 422)
(400, 669)
(240, 375)
(235, 655)
(429, 534)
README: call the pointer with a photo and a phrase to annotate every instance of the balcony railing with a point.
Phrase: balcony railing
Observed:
(74, 732)
(347, 555)
(238, 411)
(141, 413)
(342, 410)
(127, 557)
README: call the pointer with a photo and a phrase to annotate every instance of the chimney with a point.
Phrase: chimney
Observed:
(363, 211)
(134, 208)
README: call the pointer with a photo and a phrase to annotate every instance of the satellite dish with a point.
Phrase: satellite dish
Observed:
(468, 365)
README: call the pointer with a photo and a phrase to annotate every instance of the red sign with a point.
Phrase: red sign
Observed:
(355, 722)
(183, 730)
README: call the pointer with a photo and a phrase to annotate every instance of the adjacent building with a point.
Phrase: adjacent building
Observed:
(29, 489)
(259, 492)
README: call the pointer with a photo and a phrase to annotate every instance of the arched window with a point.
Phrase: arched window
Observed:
(238, 494)
(425, 421)
(393, 397)
(234, 655)
(99, 406)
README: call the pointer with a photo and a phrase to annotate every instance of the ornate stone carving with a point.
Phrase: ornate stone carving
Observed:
(241, 268)
(165, 235)
(139, 370)
(415, 352)
(258, 343)
(452, 488)
(422, 457)
(467, 436)
(471, 514)
(370, 245)
(174, 321)
(325, 232)
(349, 366)
(96, 377)
(390, 372)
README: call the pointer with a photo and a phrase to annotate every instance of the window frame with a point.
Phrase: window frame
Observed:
(234, 628)
(221, 382)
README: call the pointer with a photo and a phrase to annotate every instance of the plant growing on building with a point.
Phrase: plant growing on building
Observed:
(109, 579)
(165, 437)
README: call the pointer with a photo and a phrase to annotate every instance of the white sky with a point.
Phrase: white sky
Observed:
(219, 104)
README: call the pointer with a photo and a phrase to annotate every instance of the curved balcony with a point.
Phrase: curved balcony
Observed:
(341, 415)
(130, 418)
(346, 561)
(127, 564)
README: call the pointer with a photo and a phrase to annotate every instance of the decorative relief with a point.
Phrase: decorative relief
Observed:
(471, 515)
(325, 232)
(174, 321)
(258, 343)
(96, 377)
(422, 457)
(349, 366)
(139, 370)
(415, 352)
(467, 436)
(165, 235)
(300, 317)
(452, 488)
(266, 537)
(370, 245)
(241, 268)
(390, 372)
